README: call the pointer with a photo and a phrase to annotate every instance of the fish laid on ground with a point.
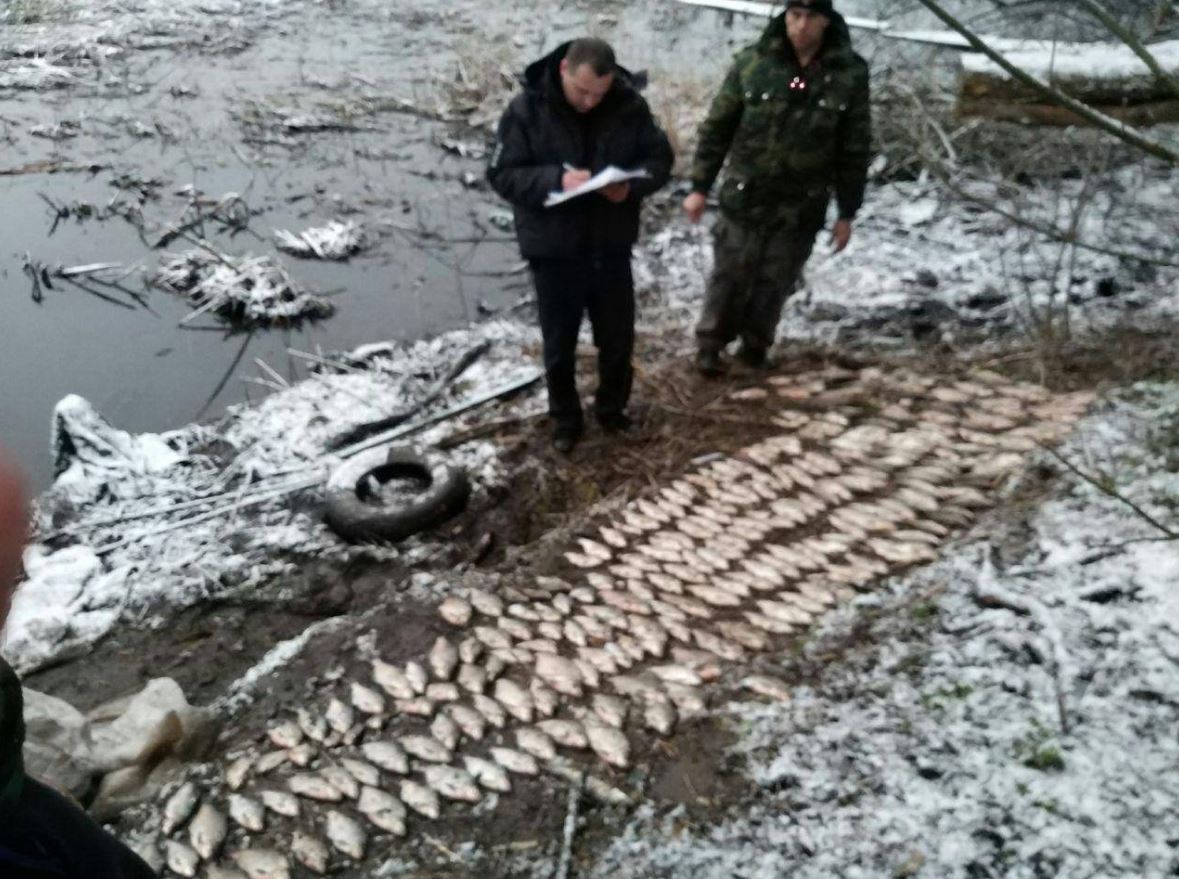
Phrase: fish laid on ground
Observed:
(769, 687)
(609, 709)
(303, 755)
(589, 674)
(442, 692)
(676, 673)
(715, 597)
(544, 699)
(515, 761)
(541, 645)
(280, 803)
(470, 649)
(426, 748)
(743, 634)
(523, 612)
(286, 735)
(416, 707)
(607, 742)
(314, 787)
(566, 733)
(453, 784)
(339, 716)
(769, 624)
(445, 731)
(722, 647)
(421, 799)
(613, 537)
(455, 611)
(181, 859)
(493, 638)
(364, 773)
(216, 871)
(688, 701)
(583, 561)
(489, 774)
(180, 806)
(599, 658)
(387, 755)
(346, 835)
(444, 659)
(312, 725)
(486, 603)
(491, 710)
(341, 779)
(560, 673)
(517, 629)
(676, 629)
(515, 700)
(415, 672)
(262, 864)
(472, 678)
(237, 772)
(532, 741)
(247, 813)
(310, 852)
(366, 700)
(469, 721)
(384, 810)
(392, 680)
(660, 717)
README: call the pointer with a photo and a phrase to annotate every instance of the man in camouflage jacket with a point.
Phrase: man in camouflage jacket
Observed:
(793, 118)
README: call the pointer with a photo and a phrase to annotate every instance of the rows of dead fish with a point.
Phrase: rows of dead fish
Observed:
(712, 567)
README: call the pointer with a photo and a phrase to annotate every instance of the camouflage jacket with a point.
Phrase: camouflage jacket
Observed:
(788, 148)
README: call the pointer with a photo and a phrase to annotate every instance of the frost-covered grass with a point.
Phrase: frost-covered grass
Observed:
(1010, 712)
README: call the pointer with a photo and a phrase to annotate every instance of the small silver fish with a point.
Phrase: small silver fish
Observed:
(559, 673)
(346, 835)
(302, 755)
(491, 710)
(455, 611)
(215, 871)
(515, 761)
(582, 595)
(659, 717)
(722, 647)
(247, 813)
(746, 636)
(444, 659)
(566, 733)
(341, 779)
(262, 864)
(514, 628)
(544, 700)
(532, 741)
(180, 806)
(181, 859)
(613, 537)
(364, 773)
(280, 803)
(387, 755)
(515, 700)
(442, 692)
(237, 772)
(493, 639)
(446, 731)
(339, 716)
(416, 674)
(540, 645)
(688, 700)
(583, 561)
(313, 726)
(562, 604)
(392, 680)
(769, 624)
(310, 852)
(523, 612)
(286, 735)
(486, 603)
(609, 709)
(772, 688)
(366, 700)
(383, 809)
(552, 632)
(314, 787)
(452, 783)
(490, 775)
(421, 799)
(607, 742)
(470, 649)
(426, 748)
(676, 674)
(470, 721)
(417, 707)
(589, 674)
(595, 550)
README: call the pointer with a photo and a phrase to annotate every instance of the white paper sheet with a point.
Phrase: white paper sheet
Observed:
(602, 179)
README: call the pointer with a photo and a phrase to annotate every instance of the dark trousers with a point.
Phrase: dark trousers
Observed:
(756, 269)
(566, 289)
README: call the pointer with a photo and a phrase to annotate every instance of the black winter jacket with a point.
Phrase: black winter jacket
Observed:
(540, 133)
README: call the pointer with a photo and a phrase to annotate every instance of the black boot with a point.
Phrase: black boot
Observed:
(565, 437)
(709, 363)
(754, 358)
(615, 422)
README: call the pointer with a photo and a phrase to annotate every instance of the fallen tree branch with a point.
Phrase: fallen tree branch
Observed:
(570, 830)
(1135, 45)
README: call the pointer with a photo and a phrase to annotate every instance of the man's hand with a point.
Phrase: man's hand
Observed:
(616, 192)
(574, 178)
(694, 206)
(841, 235)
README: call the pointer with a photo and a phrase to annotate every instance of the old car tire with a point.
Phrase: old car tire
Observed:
(356, 514)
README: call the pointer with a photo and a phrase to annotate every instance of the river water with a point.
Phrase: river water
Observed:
(145, 105)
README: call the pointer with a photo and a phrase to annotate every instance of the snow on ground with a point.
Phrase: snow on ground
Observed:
(135, 523)
(1012, 711)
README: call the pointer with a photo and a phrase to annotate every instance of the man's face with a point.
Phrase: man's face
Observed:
(583, 88)
(13, 533)
(805, 29)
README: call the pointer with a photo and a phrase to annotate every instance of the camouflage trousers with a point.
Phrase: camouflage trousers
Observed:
(756, 269)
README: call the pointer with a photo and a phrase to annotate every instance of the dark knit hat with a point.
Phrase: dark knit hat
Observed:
(823, 7)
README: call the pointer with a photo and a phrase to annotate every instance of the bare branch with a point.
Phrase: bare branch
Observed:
(1123, 132)
(1128, 37)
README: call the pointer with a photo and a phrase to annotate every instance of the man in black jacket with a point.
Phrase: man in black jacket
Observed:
(42, 834)
(579, 112)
